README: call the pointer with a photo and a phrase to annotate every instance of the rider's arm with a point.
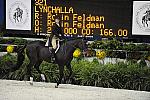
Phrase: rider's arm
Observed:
(62, 34)
(58, 32)
(55, 31)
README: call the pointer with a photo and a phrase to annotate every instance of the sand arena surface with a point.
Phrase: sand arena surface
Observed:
(21, 90)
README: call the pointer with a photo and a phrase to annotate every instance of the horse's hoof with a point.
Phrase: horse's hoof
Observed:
(31, 79)
(31, 83)
(56, 86)
(68, 81)
(43, 77)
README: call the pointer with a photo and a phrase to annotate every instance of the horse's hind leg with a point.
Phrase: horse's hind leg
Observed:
(29, 66)
(71, 77)
(146, 23)
(37, 65)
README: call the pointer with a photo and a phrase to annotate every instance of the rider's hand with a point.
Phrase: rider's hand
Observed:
(64, 40)
(48, 35)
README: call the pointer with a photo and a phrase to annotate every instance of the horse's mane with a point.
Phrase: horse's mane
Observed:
(73, 40)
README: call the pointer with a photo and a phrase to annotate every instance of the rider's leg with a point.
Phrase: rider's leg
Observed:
(54, 43)
(47, 42)
(54, 46)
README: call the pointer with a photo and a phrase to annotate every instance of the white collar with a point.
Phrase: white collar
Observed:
(58, 24)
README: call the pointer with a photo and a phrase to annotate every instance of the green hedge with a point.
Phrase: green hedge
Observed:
(129, 50)
(8, 61)
(107, 44)
(117, 45)
(123, 50)
(121, 75)
(13, 41)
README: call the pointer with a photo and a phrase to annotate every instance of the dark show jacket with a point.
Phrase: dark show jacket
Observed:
(57, 31)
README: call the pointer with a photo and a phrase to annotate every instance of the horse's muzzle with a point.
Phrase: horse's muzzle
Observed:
(85, 52)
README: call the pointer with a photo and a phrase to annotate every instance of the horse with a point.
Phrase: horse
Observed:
(145, 19)
(37, 52)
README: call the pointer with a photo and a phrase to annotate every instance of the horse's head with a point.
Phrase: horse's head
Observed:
(82, 45)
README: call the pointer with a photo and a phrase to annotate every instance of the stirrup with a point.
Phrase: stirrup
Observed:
(53, 55)
(53, 59)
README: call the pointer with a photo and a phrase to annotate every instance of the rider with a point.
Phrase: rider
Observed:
(56, 35)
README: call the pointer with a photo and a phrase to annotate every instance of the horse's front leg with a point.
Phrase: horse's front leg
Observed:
(29, 72)
(61, 75)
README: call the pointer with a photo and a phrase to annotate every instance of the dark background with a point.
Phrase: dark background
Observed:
(1, 13)
(117, 13)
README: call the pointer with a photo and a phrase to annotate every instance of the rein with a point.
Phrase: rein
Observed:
(65, 43)
(74, 46)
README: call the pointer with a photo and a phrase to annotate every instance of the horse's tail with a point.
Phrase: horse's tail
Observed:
(20, 58)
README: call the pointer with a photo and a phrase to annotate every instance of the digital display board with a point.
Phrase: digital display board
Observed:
(85, 17)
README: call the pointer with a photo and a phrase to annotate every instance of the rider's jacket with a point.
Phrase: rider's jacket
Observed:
(57, 31)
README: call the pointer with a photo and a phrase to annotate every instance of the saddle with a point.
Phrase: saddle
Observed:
(48, 44)
(54, 51)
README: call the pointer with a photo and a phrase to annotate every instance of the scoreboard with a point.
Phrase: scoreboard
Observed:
(90, 18)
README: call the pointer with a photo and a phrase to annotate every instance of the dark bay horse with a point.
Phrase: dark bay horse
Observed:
(37, 52)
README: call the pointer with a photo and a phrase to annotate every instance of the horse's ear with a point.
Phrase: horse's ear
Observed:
(85, 40)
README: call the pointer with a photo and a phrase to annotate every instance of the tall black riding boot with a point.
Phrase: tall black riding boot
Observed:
(53, 55)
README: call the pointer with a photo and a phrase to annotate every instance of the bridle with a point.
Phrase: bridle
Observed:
(83, 50)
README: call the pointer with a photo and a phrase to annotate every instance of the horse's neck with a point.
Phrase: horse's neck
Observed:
(69, 46)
